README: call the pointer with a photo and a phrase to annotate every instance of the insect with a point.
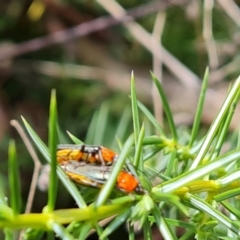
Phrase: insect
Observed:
(95, 176)
(96, 155)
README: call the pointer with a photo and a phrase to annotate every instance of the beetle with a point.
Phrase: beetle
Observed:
(95, 155)
(95, 176)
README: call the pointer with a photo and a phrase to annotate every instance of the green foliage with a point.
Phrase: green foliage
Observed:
(192, 193)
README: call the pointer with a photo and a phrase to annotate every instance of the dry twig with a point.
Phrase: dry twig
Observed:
(82, 30)
(208, 35)
(157, 65)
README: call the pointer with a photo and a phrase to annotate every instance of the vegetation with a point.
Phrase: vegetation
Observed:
(198, 191)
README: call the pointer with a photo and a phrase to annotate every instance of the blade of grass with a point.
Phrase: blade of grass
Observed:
(166, 107)
(215, 126)
(148, 126)
(31, 233)
(107, 188)
(52, 191)
(162, 225)
(159, 141)
(238, 147)
(118, 220)
(84, 230)
(205, 207)
(65, 180)
(151, 118)
(3, 199)
(38, 142)
(155, 173)
(91, 129)
(224, 128)
(61, 135)
(198, 114)
(178, 223)
(188, 177)
(126, 199)
(147, 233)
(171, 165)
(61, 231)
(50, 235)
(61, 216)
(14, 180)
(123, 123)
(233, 210)
(99, 231)
(74, 139)
(138, 161)
(9, 235)
(189, 234)
(227, 194)
(131, 232)
(170, 199)
(135, 115)
(101, 121)
(154, 151)
(228, 178)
